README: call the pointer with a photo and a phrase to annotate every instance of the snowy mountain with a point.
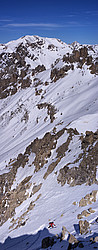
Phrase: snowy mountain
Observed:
(49, 144)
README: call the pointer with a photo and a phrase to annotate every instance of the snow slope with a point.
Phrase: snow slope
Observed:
(73, 100)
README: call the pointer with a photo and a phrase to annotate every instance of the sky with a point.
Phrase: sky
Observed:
(69, 21)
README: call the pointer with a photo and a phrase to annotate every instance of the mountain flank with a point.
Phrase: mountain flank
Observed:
(49, 141)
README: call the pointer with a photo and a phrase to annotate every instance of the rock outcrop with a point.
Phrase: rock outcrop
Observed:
(84, 226)
(86, 170)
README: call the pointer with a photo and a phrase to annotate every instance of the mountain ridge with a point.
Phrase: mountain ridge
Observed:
(48, 135)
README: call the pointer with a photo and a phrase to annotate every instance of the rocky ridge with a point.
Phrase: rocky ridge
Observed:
(15, 72)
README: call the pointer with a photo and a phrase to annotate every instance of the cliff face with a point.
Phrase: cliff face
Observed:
(48, 134)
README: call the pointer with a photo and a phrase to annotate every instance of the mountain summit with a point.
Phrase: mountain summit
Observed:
(49, 143)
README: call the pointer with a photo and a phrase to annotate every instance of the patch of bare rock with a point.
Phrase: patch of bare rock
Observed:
(88, 199)
(86, 171)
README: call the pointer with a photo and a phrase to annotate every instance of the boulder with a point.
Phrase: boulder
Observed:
(96, 239)
(47, 242)
(91, 239)
(72, 239)
(80, 245)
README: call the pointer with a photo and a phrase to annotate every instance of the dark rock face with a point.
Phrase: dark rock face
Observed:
(80, 245)
(47, 242)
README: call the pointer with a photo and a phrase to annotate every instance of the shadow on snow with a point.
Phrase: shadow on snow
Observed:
(34, 242)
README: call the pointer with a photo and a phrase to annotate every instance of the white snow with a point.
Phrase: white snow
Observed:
(86, 123)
